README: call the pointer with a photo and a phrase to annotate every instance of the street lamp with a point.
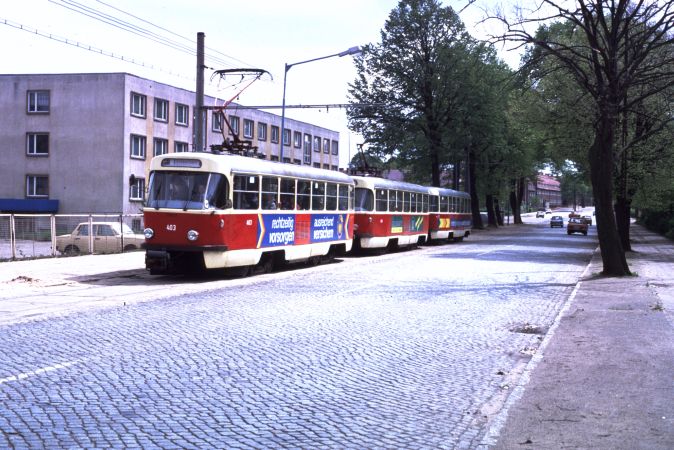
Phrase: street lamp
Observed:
(350, 51)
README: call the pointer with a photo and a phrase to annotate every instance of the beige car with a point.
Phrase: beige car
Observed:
(108, 237)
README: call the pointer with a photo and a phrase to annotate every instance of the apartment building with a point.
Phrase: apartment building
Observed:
(82, 143)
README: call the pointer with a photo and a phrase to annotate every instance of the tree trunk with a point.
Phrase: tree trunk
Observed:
(472, 190)
(515, 199)
(491, 214)
(601, 174)
(498, 212)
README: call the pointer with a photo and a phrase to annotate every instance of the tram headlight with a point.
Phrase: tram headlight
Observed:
(192, 235)
(148, 232)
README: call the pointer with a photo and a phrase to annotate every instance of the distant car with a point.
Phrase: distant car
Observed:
(587, 219)
(540, 213)
(548, 211)
(576, 225)
(108, 237)
(556, 221)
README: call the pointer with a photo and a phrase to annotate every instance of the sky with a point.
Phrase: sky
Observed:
(265, 34)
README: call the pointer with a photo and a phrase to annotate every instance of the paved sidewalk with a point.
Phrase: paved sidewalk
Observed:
(604, 375)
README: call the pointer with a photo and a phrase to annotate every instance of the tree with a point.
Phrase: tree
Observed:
(624, 58)
(417, 71)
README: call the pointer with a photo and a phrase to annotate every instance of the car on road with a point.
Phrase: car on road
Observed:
(540, 213)
(587, 219)
(576, 225)
(107, 237)
(556, 221)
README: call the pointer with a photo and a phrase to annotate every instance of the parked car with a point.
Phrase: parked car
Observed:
(576, 225)
(540, 213)
(587, 219)
(556, 221)
(108, 237)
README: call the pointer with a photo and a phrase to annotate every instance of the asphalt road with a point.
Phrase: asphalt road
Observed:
(416, 349)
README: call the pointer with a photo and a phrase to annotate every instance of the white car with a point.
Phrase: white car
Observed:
(108, 237)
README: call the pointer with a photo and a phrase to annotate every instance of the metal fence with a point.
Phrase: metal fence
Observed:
(25, 236)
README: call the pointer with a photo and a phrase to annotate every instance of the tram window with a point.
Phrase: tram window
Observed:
(331, 196)
(303, 194)
(287, 193)
(444, 203)
(406, 202)
(434, 203)
(269, 192)
(392, 201)
(382, 199)
(344, 197)
(425, 205)
(246, 191)
(318, 196)
(216, 194)
(364, 200)
(413, 202)
(452, 204)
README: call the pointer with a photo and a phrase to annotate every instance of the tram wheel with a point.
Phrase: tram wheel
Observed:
(238, 272)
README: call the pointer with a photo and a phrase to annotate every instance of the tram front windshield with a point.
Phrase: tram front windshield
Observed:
(187, 190)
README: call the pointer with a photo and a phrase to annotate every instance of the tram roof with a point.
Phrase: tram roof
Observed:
(383, 183)
(446, 191)
(214, 162)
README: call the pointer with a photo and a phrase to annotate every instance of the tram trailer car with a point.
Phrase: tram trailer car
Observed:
(210, 211)
(450, 216)
(389, 214)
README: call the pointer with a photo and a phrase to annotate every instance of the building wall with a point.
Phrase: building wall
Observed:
(90, 128)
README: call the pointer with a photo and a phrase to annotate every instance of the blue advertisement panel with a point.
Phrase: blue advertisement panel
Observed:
(327, 227)
(276, 230)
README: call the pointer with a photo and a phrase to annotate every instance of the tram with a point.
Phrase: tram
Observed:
(218, 210)
(389, 214)
(449, 214)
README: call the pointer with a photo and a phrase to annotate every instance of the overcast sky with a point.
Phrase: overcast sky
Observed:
(265, 34)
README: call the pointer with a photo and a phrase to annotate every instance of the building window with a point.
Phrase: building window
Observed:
(38, 102)
(261, 131)
(138, 146)
(37, 144)
(216, 123)
(286, 137)
(181, 147)
(137, 189)
(160, 110)
(317, 144)
(335, 147)
(326, 146)
(160, 147)
(138, 105)
(248, 127)
(234, 123)
(182, 114)
(37, 186)
(274, 134)
(307, 149)
(297, 139)
(317, 165)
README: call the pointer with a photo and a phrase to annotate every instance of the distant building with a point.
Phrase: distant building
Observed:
(82, 143)
(544, 191)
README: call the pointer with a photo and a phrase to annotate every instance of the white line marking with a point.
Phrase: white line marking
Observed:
(40, 371)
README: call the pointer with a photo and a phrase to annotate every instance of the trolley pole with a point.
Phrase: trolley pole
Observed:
(199, 120)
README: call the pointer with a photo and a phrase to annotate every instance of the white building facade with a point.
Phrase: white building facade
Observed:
(82, 143)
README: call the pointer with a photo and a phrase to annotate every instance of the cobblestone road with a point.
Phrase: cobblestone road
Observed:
(410, 350)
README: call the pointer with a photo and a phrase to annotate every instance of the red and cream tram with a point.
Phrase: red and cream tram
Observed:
(210, 210)
(389, 213)
(449, 214)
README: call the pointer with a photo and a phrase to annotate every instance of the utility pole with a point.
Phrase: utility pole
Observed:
(199, 108)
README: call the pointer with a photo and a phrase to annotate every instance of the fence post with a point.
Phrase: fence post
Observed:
(52, 226)
(91, 235)
(12, 236)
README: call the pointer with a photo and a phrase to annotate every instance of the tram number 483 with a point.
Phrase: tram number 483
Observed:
(170, 227)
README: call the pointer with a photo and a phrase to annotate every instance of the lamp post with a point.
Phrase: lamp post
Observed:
(350, 51)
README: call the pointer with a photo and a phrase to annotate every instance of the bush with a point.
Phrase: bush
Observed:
(661, 222)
